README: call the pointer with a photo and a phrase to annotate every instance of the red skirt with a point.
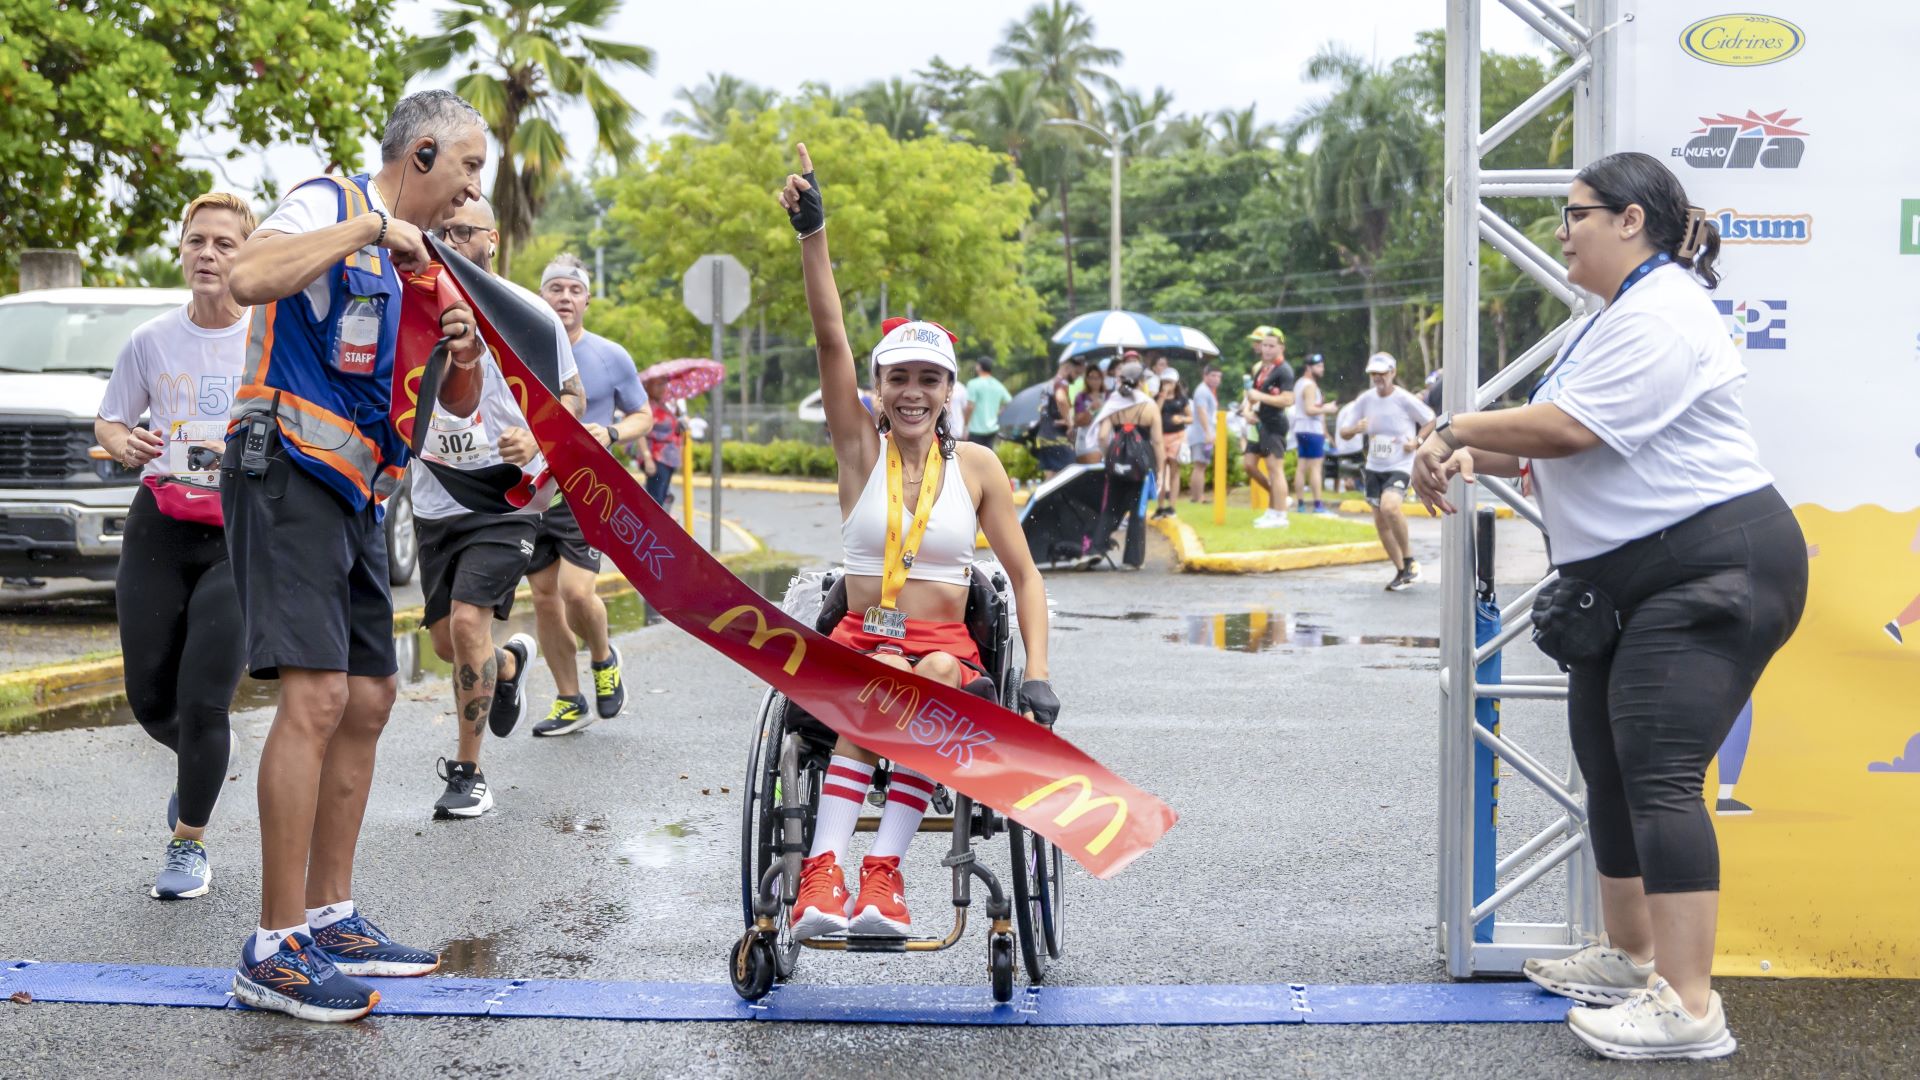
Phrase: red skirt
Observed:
(923, 636)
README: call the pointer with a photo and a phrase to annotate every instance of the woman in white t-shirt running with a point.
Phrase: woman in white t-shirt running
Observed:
(1654, 497)
(180, 628)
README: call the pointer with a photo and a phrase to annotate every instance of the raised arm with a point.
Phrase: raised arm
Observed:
(856, 442)
(272, 266)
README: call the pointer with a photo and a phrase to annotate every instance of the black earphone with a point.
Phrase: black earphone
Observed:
(425, 156)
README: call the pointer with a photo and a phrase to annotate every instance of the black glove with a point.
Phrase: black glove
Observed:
(811, 216)
(1037, 698)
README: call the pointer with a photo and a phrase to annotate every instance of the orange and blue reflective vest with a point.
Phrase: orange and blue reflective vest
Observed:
(333, 423)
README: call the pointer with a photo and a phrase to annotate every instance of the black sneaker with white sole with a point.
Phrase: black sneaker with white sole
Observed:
(609, 689)
(467, 794)
(510, 695)
(1401, 580)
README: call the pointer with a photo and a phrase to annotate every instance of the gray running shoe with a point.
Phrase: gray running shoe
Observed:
(186, 873)
(1597, 975)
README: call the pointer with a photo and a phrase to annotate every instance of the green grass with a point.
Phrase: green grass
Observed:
(1238, 534)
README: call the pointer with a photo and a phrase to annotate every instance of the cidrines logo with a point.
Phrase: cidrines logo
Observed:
(1725, 141)
(1741, 227)
(1742, 40)
(1755, 324)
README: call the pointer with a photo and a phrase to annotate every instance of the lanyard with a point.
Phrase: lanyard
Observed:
(1653, 262)
(899, 554)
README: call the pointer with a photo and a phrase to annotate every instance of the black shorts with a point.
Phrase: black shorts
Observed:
(1273, 439)
(558, 537)
(310, 573)
(1379, 483)
(1054, 456)
(476, 559)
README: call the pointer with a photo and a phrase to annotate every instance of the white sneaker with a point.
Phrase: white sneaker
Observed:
(1653, 1025)
(1597, 975)
(1271, 520)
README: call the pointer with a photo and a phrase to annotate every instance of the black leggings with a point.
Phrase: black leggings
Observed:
(1122, 500)
(180, 635)
(1705, 604)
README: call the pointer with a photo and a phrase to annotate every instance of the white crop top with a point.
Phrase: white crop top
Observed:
(946, 551)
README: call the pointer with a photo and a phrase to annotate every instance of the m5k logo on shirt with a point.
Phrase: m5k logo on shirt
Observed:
(1769, 141)
(1755, 324)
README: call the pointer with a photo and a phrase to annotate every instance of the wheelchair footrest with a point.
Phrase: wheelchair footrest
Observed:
(931, 824)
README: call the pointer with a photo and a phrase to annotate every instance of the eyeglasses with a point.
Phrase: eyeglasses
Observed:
(460, 234)
(1566, 221)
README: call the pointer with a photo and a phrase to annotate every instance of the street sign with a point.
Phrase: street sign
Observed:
(697, 288)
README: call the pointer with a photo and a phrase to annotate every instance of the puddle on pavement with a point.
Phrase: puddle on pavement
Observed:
(566, 822)
(626, 612)
(1125, 616)
(1266, 631)
(471, 958)
(657, 848)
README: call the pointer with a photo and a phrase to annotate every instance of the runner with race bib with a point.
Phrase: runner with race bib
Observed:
(1392, 421)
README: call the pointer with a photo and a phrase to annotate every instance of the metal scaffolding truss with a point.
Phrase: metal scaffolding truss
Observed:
(1476, 879)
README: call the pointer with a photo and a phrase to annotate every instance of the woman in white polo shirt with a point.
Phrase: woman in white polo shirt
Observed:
(1639, 453)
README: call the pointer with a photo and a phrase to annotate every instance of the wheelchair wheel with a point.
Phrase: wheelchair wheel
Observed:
(760, 823)
(751, 966)
(1032, 858)
(1000, 966)
(753, 792)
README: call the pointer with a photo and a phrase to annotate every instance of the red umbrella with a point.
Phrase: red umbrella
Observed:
(683, 378)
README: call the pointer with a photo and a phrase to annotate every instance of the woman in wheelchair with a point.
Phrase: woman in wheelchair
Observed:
(911, 499)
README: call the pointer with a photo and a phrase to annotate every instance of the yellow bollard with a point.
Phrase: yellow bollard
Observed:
(686, 483)
(1221, 448)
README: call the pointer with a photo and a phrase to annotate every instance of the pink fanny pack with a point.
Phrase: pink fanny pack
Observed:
(185, 502)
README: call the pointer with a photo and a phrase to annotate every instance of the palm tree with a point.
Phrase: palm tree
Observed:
(1129, 109)
(712, 103)
(1239, 130)
(1008, 111)
(1369, 159)
(1056, 41)
(896, 105)
(536, 56)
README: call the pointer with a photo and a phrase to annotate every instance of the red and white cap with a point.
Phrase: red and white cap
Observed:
(905, 341)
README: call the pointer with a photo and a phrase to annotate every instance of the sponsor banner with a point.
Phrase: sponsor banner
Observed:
(973, 746)
(1766, 119)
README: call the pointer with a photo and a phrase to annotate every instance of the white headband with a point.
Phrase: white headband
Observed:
(575, 273)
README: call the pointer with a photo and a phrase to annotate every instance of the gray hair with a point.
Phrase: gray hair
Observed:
(437, 114)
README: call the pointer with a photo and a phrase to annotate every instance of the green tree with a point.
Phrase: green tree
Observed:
(1237, 131)
(1371, 156)
(529, 57)
(97, 96)
(710, 104)
(1008, 111)
(1056, 39)
(897, 105)
(935, 220)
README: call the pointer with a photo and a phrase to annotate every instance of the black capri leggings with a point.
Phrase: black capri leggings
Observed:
(1705, 605)
(180, 635)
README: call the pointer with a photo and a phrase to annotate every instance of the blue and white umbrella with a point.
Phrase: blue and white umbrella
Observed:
(1196, 342)
(1118, 330)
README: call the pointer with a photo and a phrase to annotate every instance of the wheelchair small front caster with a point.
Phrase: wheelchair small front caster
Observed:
(1000, 965)
(752, 966)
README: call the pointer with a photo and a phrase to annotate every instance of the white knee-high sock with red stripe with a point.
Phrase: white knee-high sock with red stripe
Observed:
(841, 793)
(907, 796)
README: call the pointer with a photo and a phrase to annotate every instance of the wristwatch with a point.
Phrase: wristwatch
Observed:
(1443, 427)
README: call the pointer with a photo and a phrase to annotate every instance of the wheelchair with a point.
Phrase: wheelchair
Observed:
(785, 768)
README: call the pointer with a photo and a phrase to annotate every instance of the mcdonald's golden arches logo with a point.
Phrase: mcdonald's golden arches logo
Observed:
(762, 633)
(1083, 803)
(590, 489)
(892, 692)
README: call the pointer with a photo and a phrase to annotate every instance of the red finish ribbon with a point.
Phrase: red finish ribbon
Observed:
(973, 746)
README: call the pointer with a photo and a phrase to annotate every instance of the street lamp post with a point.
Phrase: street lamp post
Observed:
(1114, 144)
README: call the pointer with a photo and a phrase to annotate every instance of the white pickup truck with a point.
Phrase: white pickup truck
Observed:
(63, 503)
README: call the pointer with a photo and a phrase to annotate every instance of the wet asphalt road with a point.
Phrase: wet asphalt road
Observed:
(1303, 773)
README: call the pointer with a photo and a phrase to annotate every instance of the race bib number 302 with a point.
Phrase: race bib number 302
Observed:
(459, 442)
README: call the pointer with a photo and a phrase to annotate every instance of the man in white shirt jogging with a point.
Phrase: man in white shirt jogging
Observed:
(1392, 420)
(472, 560)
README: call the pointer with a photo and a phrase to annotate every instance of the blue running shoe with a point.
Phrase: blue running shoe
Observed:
(302, 982)
(186, 873)
(360, 948)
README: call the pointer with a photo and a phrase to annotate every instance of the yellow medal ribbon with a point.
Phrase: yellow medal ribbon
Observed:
(900, 554)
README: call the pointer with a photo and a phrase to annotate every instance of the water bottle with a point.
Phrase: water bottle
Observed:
(359, 337)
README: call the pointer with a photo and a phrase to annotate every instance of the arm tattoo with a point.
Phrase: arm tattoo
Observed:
(573, 396)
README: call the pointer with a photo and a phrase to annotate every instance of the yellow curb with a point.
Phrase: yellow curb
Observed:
(92, 680)
(1410, 509)
(1192, 555)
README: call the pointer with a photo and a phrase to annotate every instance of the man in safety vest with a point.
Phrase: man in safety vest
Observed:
(310, 456)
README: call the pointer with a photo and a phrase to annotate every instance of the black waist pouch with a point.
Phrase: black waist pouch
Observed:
(1575, 623)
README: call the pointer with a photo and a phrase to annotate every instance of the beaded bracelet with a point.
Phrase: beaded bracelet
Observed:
(383, 226)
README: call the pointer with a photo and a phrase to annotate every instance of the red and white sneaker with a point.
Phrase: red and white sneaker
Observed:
(882, 908)
(823, 903)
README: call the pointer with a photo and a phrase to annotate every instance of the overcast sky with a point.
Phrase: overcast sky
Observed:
(1210, 54)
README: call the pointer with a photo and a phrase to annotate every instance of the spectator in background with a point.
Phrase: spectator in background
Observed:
(1200, 434)
(1175, 413)
(1086, 405)
(1272, 395)
(986, 396)
(1310, 433)
(1432, 395)
(1129, 427)
(1346, 454)
(663, 440)
(1053, 435)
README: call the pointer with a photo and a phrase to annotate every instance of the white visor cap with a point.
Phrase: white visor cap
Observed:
(1380, 363)
(925, 342)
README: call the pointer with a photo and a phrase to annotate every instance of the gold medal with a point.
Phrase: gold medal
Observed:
(886, 619)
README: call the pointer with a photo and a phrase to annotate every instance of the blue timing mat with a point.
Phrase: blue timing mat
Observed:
(1042, 1006)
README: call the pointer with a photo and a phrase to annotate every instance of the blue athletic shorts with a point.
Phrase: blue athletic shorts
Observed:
(1309, 445)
